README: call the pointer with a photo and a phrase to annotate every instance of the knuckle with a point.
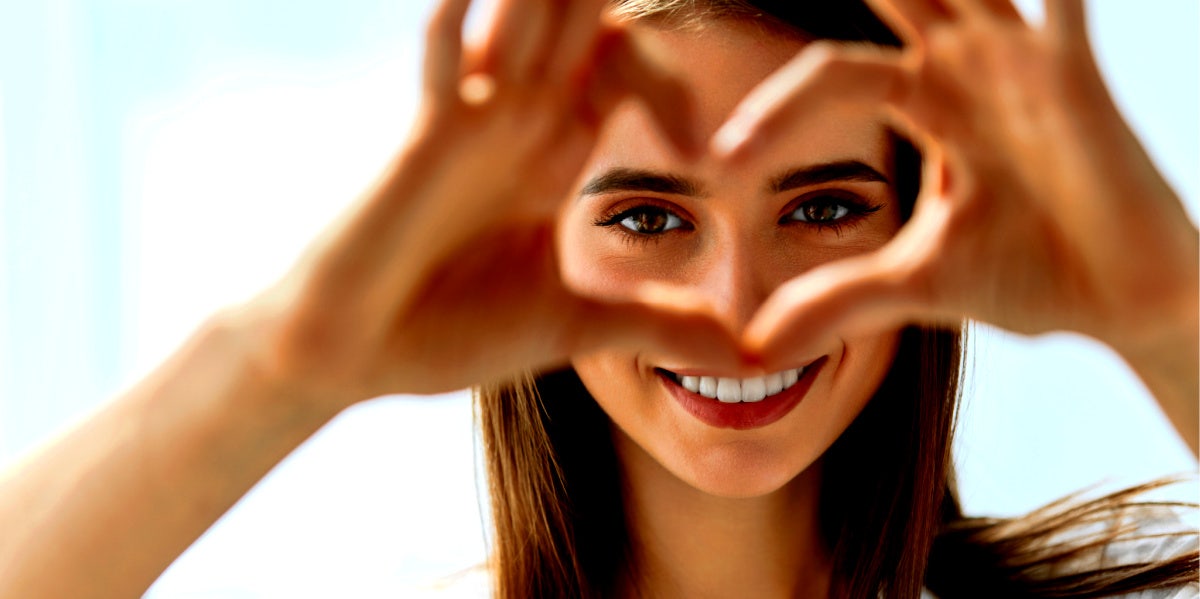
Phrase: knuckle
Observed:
(440, 27)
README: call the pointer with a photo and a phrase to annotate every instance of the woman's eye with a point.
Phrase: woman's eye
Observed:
(649, 220)
(823, 210)
(829, 210)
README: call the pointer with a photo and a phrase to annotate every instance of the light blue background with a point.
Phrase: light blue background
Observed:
(159, 159)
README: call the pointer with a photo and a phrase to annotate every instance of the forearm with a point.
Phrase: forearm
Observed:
(104, 510)
(1173, 376)
(1168, 362)
(1178, 402)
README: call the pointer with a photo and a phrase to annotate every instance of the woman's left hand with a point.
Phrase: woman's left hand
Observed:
(1039, 209)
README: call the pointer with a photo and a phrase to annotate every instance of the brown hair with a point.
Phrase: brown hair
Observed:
(888, 506)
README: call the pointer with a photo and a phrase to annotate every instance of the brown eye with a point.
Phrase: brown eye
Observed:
(823, 210)
(649, 220)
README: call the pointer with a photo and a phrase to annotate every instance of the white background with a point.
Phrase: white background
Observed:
(159, 159)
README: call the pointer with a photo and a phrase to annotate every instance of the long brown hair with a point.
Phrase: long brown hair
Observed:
(888, 506)
(557, 505)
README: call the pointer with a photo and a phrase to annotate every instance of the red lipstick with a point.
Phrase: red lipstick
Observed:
(741, 415)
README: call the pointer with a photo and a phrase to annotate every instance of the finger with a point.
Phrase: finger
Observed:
(443, 47)
(517, 39)
(623, 70)
(986, 9)
(1003, 9)
(912, 19)
(854, 297)
(1067, 20)
(661, 323)
(869, 293)
(576, 39)
(820, 74)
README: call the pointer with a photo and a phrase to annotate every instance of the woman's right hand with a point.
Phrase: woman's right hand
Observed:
(444, 275)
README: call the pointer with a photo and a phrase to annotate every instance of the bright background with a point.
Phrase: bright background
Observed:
(162, 158)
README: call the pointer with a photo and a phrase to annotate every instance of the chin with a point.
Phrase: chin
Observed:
(738, 470)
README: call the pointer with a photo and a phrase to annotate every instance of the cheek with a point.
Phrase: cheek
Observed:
(615, 381)
(861, 368)
(599, 263)
(581, 259)
(630, 398)
(604, 373)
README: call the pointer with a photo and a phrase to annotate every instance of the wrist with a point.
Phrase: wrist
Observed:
(248, 339)
(1167, 360)
(1169, 334)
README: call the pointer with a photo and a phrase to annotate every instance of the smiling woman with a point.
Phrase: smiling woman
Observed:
(741, 232)
(707, 264)
(799, 501)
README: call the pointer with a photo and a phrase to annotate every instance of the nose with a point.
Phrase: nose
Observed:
(736, 279)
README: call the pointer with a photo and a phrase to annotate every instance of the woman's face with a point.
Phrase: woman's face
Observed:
(731, 235)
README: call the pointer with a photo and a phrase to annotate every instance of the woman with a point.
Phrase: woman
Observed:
(615, 508)
(682, 283)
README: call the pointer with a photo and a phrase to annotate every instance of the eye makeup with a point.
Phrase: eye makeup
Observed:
(643, 220)
(829, 209)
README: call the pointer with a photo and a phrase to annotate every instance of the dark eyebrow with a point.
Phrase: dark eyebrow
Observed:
(845, 170)
(631, 179)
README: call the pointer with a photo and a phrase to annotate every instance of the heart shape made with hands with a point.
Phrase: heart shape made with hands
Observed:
(995, 233)
(1033, 195)
(1037, 209)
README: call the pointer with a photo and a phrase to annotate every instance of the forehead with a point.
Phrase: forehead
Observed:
(720, 62)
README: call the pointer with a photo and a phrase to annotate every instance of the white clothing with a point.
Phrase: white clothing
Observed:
(475, 584)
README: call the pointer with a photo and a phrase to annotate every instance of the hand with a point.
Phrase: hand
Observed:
(444, 275)
(1039, 210)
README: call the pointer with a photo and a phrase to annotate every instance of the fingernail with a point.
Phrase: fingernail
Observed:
(730, 139)
(477, 89)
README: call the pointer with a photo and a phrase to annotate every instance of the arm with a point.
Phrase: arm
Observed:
(386, 301)
(1170, 368)
(104, 510)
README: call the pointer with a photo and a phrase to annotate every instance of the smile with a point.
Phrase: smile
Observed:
(730, 390)
(741, 404)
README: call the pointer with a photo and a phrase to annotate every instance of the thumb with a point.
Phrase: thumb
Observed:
(853, 297)
(1067, 18)
(658, 320)
(626, 68)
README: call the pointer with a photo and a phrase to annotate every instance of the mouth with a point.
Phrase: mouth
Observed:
(731, 390)
(740, 404)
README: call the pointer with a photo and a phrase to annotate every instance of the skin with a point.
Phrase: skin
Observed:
(754, 489)
(1062, 223)
(999, 167)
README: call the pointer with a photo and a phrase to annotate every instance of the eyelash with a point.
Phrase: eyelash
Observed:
(857, 208)
(613, 218)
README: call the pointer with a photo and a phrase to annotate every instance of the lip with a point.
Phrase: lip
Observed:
(743, 415)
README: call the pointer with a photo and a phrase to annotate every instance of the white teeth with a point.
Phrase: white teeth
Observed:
(774, 383)
(790, 377)
(731, 390)
(754, 389)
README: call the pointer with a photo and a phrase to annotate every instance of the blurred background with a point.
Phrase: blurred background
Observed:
(162, 158)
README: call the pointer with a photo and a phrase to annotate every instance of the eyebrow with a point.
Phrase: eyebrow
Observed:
(632, 179)
(842, 170)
